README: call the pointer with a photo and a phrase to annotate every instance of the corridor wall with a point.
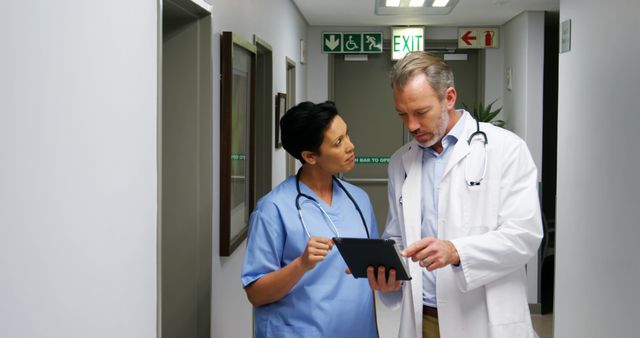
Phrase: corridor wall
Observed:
(597, 266)
(78, 182)
(522, 101)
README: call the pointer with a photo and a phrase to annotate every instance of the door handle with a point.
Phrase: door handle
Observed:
(366, 180)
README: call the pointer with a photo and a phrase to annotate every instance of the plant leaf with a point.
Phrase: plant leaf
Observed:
(499, 123)
(492, 115)
(486, 113)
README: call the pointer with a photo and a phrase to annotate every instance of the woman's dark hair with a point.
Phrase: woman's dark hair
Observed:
(302, 127)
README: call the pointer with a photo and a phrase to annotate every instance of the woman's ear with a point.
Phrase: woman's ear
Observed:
(308, 157)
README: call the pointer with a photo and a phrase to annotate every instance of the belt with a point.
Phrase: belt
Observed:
(429, 311)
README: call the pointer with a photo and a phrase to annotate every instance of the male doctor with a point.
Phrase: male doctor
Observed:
(465, 206)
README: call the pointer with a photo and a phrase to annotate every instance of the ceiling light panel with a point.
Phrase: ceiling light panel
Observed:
(424, 8)
(440, 3)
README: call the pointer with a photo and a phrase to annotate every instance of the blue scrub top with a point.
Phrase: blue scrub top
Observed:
(325, 302)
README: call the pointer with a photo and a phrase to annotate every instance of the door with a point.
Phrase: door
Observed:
(465, 75)
(290, 164)
(363, 97)
(362, 93)
(264, 140)
(185, 146)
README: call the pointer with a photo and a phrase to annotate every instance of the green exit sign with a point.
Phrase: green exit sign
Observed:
(405, 40)
(352, 42)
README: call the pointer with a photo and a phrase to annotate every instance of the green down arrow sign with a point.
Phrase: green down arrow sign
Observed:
(332, 42)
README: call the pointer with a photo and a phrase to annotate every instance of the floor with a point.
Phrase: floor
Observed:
(543, 324)
(389, 321)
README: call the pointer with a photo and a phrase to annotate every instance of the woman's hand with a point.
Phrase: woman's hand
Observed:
(378, 282)
(317, 249)
(277, 284)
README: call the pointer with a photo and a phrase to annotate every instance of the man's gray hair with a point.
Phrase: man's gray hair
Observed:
(438, 73)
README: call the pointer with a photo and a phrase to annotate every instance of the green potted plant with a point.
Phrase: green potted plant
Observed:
(485, 113)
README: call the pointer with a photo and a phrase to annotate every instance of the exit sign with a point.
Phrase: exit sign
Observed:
(405, 40)
(352, 42)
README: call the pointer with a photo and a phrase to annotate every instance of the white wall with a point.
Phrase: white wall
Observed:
(522, 105)
(524, 54)
(597, 266)
(78, 183)
(494, 74)
(318, 68)
(279, 23)
(78, 142)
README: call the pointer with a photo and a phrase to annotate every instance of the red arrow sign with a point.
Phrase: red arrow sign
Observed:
(467, 37)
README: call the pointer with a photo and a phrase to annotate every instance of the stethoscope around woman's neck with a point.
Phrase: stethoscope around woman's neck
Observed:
(324, 213)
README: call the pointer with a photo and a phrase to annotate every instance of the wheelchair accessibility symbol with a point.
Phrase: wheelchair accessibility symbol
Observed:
(352, 42)
(351, 45)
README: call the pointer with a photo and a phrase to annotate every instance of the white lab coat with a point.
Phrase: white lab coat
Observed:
(496, 228)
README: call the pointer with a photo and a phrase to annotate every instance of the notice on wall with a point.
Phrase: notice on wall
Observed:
(479, 38)
(372, 159)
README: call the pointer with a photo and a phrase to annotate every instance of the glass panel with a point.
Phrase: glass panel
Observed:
(240, 108)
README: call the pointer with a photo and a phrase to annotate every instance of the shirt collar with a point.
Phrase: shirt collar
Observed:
(453, 135)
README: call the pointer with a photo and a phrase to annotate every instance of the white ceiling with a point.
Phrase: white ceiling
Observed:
(466, 13)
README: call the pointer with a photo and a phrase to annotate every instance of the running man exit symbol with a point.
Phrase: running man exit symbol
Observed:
(372, 42)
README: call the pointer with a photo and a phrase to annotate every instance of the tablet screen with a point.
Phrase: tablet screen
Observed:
(360, 253)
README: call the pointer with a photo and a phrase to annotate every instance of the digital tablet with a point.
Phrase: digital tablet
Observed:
(360, 253)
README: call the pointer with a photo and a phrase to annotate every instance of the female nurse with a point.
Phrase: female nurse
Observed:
(291, 273)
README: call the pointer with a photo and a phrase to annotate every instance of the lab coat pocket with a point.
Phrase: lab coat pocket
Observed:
(478, 210)
(475, 192)
(507, 300)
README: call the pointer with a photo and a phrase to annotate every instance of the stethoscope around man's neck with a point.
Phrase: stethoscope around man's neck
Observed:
(324, 213)
(481, 136)
(478, 132)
